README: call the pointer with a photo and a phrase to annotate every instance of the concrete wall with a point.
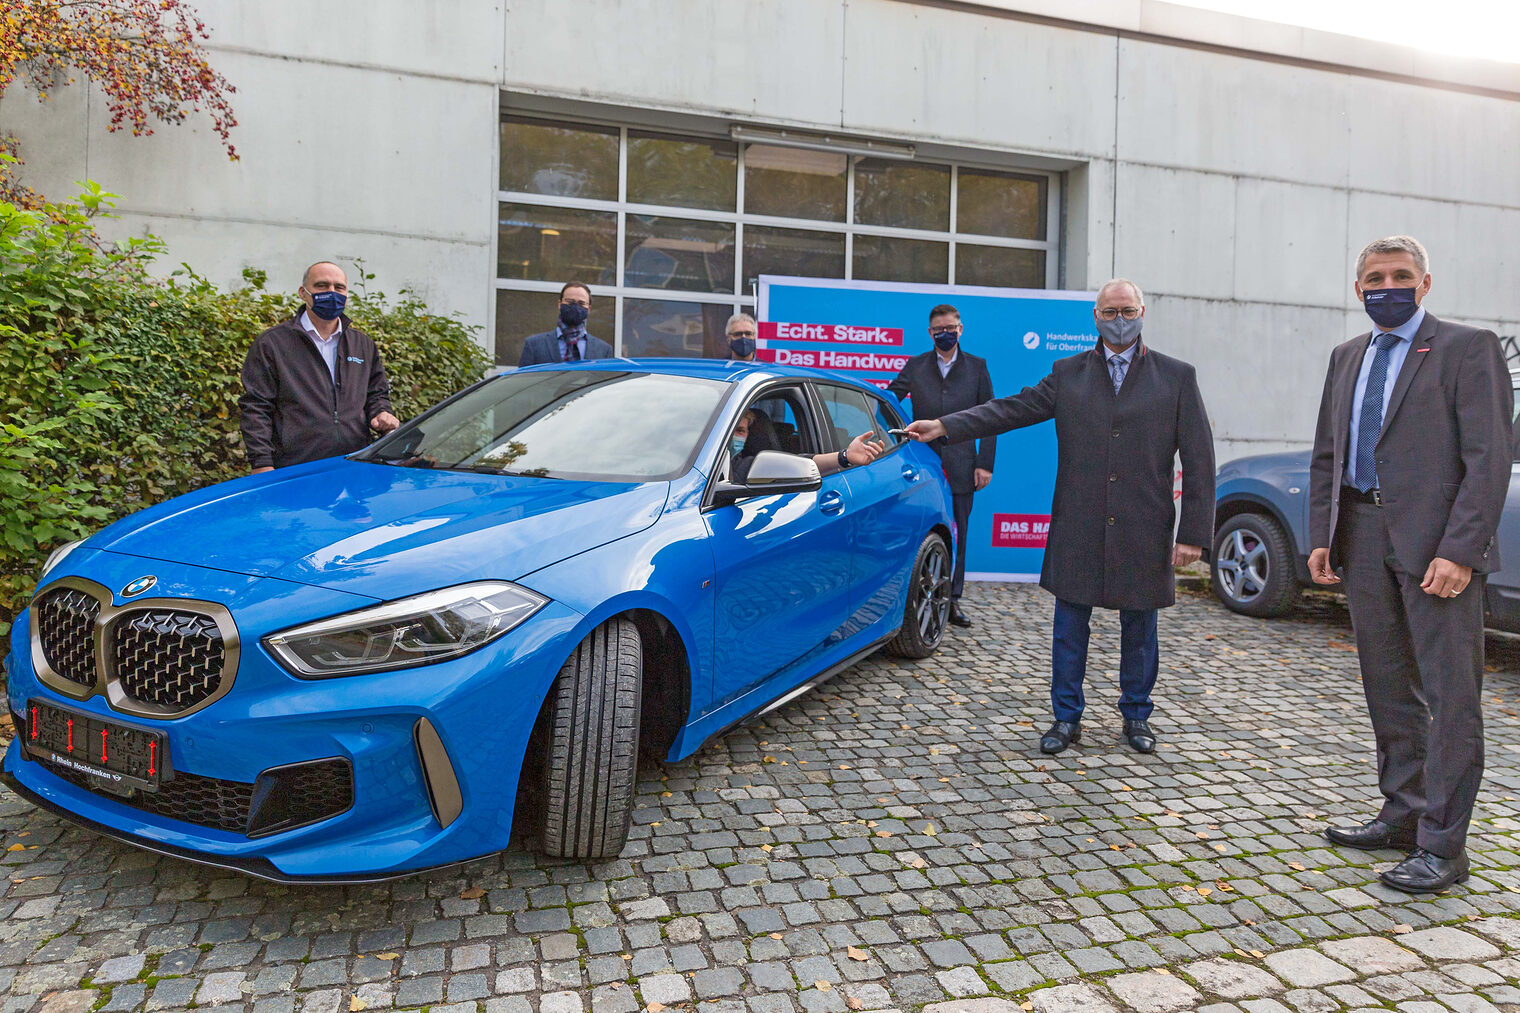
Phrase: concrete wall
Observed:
(1236, 188)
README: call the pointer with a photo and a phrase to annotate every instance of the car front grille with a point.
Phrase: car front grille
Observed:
(283, 798)
(204, 801)
(169, 659)
(66, 627)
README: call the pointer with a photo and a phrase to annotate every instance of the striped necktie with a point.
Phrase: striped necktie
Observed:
(1369, 427)
(1117, 367)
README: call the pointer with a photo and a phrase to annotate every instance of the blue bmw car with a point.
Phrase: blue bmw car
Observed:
(367, 666)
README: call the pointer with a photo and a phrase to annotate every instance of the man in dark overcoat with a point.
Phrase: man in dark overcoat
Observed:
(1407, 484)
(1123, 412)
(946, 379)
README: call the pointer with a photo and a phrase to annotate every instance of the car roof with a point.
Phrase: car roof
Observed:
(726, 371)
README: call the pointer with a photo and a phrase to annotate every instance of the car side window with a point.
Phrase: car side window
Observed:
(852, 412)
(786, 425)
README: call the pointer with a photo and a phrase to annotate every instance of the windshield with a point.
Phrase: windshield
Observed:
(592, 425)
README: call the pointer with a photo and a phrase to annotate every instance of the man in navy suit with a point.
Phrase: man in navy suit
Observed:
(569, 341)
(942, 380)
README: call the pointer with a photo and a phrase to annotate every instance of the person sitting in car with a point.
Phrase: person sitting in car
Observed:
(755, 432)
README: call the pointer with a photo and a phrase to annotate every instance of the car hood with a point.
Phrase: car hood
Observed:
(385, 531)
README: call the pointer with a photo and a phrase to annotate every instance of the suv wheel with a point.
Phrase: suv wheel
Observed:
(1253, 566)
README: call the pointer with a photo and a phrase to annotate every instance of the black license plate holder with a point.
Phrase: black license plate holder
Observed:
(116, 756)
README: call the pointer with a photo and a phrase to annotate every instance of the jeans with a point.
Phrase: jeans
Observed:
(1138, 661)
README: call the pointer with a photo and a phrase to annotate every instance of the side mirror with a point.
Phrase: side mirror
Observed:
(773, 473)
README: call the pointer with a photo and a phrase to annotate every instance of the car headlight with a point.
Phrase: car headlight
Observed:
(419, 630)
(56, 556)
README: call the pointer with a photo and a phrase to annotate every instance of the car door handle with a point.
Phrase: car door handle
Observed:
(831, 503)
(910, 473)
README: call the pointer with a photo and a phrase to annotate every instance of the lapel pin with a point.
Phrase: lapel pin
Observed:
(1425, 349)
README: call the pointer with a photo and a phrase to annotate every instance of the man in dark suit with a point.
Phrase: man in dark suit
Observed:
(568, 342)
(1122, 413)
(947, 379)
(1410, 469)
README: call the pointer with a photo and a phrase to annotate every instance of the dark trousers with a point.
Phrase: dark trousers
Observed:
(1139, 660)
(1422, 673)
(961, 502)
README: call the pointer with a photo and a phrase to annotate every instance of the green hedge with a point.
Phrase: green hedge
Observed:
(118, 390)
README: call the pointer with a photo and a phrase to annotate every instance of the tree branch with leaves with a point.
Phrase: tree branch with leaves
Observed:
(146, 56)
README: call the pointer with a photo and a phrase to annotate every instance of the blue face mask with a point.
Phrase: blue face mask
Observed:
(328, 305)
(573, 315)
(1389, 307)
(735, 445)
(742, 348)
(945, 340)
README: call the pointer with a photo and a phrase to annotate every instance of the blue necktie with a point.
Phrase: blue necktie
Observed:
(1117, 367)
(1370, 426)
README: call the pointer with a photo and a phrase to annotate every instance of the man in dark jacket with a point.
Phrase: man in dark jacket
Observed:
(1122, 413)
(314, 386)
(1407, 484)
(569, 341)
(942, 380)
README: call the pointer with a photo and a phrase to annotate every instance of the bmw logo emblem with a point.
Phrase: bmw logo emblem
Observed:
(138, 586)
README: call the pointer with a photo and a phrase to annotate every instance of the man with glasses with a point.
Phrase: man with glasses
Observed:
(569, 341)
(946, 379)
(1123, 412)
(741, 333)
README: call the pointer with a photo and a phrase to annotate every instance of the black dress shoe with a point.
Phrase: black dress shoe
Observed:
(957, 617)
(1061, 735)
(1374, 835)
(1423, 872)
(1140, 736)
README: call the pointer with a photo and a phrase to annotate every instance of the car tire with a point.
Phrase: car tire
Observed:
(591, 752)
(928, 606)
(1252, 567)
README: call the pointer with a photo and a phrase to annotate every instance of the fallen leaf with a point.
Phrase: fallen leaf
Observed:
(1339, 646)
(386, 956)
(1204, 891)
(766, 848)
(666, 794)
(883, 833)
(775, 935)
(931, 831)
(856, 953)
(1299, 866)
(473, 893)
(1226, 887)
(854, 1002)
(1026, 1005)
(1400, 929)
(1257, 954)
(355, 1005)
(615, 985)
(655, 1007)
(1162, 970)
(16, 847)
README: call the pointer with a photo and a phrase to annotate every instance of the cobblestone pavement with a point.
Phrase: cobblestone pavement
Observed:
(891, 841)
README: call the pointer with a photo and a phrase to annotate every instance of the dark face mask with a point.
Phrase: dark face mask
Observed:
(742, 348)
(1389, 307)
(1118, 332)
(946, 339)
(328, 305)
(573, 314)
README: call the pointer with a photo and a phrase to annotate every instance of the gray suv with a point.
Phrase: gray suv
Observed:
(1260, 560)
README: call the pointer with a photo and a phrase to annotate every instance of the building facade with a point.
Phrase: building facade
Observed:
(668, 152)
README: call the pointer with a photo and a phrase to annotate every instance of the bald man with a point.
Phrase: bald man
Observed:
(313, 386)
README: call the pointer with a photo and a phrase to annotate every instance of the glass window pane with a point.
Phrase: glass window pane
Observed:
(682, 171)
(519, 314)
(848, 413)
(999, 266)
(1001, 204)
(881, 259)
(794, 182)
(797, 252)
(663, 327)
(563, 160)
(679, 253)
(904, 195)
(557, 244)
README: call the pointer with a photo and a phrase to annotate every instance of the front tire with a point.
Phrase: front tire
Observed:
(1252, 567)
(592, 745)
(928, 604)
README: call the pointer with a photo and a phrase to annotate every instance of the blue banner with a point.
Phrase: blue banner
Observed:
(868, 329)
